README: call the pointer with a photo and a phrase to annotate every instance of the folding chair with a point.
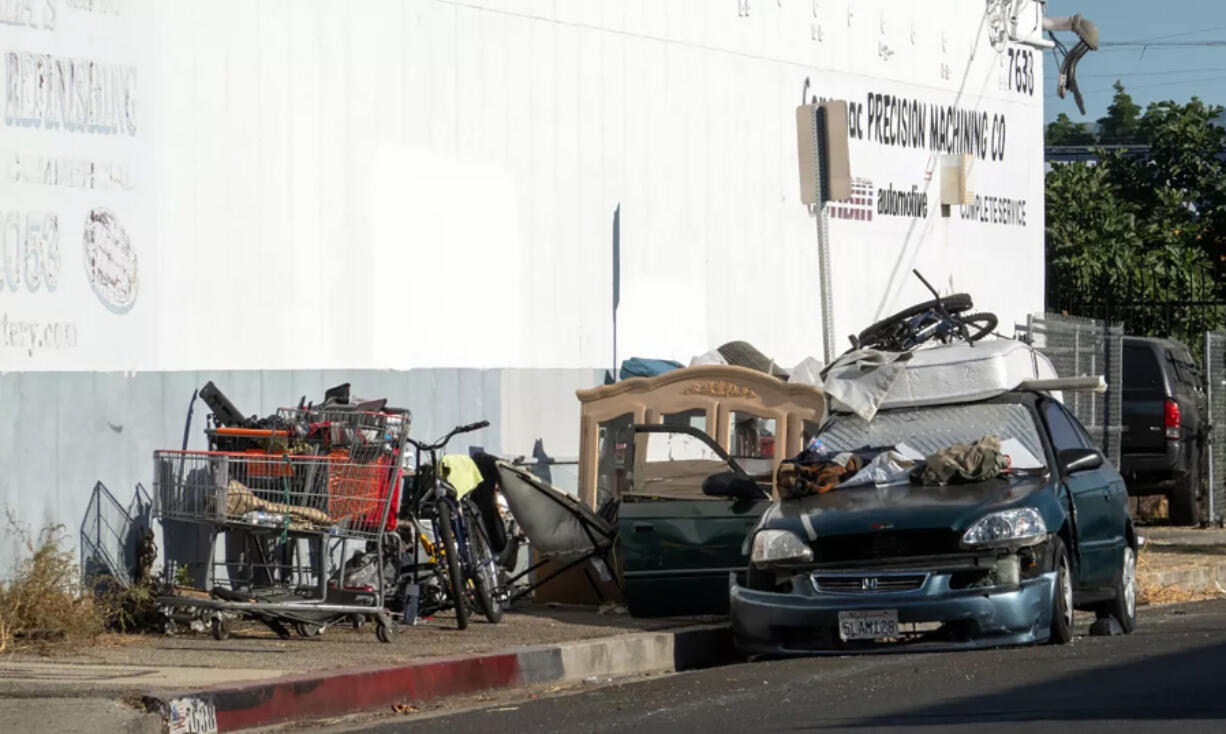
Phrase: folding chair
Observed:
(558, 526)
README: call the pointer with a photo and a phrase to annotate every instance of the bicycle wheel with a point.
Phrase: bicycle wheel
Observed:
(484, 576)
(978, 325)
(451, 559)
(891, 332)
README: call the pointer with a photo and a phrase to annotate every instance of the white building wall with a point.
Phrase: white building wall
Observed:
(360, 184)
(428, 186)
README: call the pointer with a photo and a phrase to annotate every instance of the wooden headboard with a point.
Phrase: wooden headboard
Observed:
(716, 390)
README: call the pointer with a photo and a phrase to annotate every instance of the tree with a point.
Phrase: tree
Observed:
(1137, 237)
(1063, 131)
(1122, 121)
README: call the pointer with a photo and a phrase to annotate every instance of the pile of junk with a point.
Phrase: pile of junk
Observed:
(272, 521)
(330, 513)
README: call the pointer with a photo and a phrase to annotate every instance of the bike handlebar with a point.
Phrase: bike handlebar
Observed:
(467, 428)
(471, 427)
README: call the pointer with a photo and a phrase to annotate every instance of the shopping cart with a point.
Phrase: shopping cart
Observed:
(286, 506)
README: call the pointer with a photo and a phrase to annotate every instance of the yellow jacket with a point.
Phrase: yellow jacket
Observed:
(461, 472)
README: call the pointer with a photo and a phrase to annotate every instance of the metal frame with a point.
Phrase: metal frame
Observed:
(378, 447)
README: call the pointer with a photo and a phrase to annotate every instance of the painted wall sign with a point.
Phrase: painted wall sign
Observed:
(76, 205)
(275, 188)
(110, 261)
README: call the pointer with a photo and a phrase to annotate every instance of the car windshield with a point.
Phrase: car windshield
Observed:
(929, 429)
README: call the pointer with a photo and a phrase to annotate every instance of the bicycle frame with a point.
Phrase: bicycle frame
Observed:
(440, 491)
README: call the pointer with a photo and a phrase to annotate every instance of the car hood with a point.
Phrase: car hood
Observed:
(903, 507)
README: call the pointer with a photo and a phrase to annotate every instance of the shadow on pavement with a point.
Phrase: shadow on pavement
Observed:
(587, 615)
(1178, 686)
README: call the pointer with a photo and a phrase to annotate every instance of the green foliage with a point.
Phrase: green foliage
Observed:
(183, 577)
(1136, 238)
(1122, 122)
(1063, 131)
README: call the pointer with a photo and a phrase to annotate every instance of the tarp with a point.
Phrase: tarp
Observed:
(642, 367)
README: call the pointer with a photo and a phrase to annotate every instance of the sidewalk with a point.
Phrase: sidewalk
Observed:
(253, 651)
(1181, 564)
(194, 683)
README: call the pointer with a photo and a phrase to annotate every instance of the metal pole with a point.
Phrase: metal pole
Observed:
(823, 240)
(823, 264)
(1212, 435)
(1076, 367)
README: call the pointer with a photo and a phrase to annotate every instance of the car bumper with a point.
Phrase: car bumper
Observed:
(805, 621)
(1154, 471)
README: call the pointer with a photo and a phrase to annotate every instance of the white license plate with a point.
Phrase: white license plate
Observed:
(874, 625)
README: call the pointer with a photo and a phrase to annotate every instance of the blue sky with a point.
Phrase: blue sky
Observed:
(1159, 73)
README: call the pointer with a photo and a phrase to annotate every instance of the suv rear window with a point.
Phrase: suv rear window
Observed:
(1141, 369)
(1185, 369)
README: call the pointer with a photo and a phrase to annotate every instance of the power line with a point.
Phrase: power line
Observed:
(1168, 35)
(1055, 72)
(1052, 93)
(1173, 46)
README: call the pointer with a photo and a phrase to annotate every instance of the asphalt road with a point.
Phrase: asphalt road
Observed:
(1172, 670)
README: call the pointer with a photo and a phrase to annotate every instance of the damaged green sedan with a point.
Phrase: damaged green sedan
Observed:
(998, 559)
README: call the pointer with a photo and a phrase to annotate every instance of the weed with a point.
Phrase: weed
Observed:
(45, 600)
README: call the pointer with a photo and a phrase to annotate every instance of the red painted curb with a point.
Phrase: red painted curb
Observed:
(331, 694)
(334, 693)
(307, 696)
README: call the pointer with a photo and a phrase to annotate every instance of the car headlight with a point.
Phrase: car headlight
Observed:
(1022, 526)
(779, 546)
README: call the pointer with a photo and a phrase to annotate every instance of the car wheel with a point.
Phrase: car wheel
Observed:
(1124, 606)
(1185, 497)
(1062, 605)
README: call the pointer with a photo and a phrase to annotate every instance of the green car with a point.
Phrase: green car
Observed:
(1001, 561)
(676, 543)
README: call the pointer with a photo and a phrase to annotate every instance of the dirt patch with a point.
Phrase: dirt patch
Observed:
(1151, 508)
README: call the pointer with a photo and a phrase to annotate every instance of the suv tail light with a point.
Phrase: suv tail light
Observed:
(1172, 418)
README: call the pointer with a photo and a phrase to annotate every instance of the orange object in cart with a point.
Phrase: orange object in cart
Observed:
(357, 491)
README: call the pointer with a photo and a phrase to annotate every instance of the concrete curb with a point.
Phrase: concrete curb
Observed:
(1192, 579)
(339, 692)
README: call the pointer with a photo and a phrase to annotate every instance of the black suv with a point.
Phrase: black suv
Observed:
(1165, 424)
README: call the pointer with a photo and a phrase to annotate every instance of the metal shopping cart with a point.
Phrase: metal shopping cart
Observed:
(285, 507)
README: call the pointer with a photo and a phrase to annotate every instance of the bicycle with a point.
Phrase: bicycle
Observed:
(460, 548)
(942, 319)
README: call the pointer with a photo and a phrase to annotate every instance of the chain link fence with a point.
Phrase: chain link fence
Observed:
(1215, 392)
(1076, 347)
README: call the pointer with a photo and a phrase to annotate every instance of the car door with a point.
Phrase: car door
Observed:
(678, 545)
(1098, 499)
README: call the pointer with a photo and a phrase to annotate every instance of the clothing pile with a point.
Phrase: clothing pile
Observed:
(965, 462)
(816, 470)
(814, 473)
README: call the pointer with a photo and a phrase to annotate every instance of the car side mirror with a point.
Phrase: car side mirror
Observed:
(732, 485)
(1077, 460)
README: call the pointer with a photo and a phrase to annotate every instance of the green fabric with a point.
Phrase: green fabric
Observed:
(973, 462)
(461, 472)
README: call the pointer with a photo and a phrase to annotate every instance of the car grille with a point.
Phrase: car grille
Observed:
(868, 583)
(885, 544)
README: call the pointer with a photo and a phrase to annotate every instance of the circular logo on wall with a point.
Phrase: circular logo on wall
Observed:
(110, 260)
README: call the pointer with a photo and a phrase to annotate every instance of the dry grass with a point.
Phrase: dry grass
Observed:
(1172, 595)
(45, 601)
(1149, 563)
